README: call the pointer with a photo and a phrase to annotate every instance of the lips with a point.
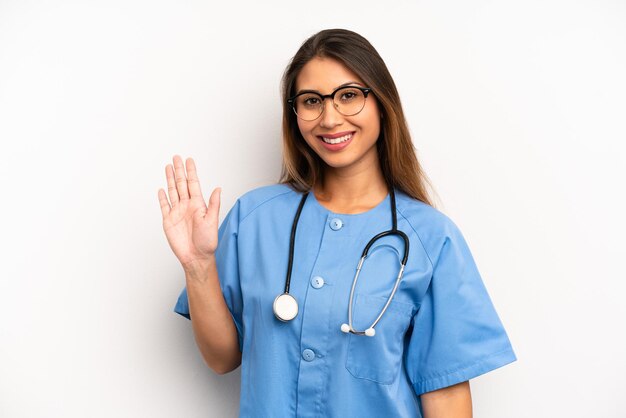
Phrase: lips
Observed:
(336, 138)
(338, 141)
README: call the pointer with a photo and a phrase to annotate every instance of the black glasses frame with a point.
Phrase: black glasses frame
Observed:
(292, 100)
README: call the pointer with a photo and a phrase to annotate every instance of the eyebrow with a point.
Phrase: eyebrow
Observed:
(342, 85)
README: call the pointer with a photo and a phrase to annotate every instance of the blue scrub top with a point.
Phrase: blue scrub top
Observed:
(440, 329)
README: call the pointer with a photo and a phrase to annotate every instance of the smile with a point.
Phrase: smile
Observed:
(337, 140)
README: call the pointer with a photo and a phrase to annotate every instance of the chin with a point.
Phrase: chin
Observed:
(338, 163)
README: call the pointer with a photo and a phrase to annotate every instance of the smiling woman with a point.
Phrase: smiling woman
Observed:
(343, 132)
(397, 336)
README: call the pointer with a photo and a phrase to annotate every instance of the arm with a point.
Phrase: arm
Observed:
(191, 228)
(213, 326)
(451, 402)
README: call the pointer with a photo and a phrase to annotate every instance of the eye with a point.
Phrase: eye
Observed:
(349, 94)
(309, 100)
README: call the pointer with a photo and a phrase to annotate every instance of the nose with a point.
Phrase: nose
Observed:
(330, 115)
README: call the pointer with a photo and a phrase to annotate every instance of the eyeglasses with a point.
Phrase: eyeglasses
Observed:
(309, 105)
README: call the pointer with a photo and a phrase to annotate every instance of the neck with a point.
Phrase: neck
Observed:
(353, 191)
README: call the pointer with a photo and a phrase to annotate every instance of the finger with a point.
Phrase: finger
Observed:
(181, 180)
(192, 180)
(213, 209)
(171, 184)
(165, 205)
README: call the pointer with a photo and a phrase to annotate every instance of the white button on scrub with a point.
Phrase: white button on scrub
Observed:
(336, 224)
(317, 282)
(308, 354)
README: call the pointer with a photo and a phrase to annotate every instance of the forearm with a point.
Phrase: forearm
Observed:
(213, 325)
(452, 402)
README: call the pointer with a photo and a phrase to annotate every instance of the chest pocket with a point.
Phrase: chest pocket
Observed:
(377, 358)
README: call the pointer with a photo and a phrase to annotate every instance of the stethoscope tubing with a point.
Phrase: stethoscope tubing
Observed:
(287, 304)
(395, 286)
(292, 241)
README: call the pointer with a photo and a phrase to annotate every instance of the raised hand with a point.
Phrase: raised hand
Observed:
(190, 226)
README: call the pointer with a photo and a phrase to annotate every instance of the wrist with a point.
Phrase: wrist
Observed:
(199, 266)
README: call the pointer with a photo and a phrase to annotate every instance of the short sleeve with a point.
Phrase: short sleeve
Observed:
(456, 333)
(227, 260)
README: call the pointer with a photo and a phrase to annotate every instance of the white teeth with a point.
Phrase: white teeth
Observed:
(337, 140)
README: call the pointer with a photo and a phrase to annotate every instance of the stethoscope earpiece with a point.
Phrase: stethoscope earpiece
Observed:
(370, 332)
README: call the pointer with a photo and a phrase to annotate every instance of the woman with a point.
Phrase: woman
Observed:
(275, 291)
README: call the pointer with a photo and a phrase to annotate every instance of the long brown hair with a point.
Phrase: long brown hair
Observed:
(302, 167)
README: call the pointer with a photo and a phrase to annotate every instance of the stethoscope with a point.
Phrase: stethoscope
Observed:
(286, 306)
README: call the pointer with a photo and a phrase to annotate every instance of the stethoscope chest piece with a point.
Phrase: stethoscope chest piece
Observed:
(285, 307)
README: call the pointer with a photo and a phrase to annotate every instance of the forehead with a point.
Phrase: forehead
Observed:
(324, 75)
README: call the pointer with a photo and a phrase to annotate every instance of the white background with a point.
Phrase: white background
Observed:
(517, 109)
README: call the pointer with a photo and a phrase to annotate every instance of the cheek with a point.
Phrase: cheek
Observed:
(301, 126)
(372, 118)
(372, 123)
(375, 118)
(305, 129)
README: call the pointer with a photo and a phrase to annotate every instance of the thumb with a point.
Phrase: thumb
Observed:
(213, 208)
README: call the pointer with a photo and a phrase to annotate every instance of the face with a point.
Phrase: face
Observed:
(358, 133)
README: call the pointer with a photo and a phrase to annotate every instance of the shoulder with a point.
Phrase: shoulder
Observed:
(270, 195)
(432, 227)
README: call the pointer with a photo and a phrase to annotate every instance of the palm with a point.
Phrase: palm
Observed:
(190, 226)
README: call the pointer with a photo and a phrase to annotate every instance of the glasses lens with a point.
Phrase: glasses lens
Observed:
(349, 101)
(308, 106)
